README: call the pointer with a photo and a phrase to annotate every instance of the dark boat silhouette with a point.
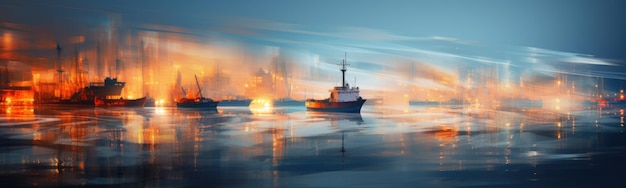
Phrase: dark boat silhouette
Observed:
(110, 87)
(99, 102)
(342, 98)
(150, 102)
(287, 102)
(236, 102)
(87, 95)
(198, 102)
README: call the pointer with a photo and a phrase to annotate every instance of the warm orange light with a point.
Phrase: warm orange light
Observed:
(261, 106)
(261, 102)
(160, 102)
(261, 110)
(159, 111)
(8, 41)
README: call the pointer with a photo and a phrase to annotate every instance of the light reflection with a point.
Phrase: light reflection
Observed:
(261, 102)
(177, 141)
(160, 111)
(267, 110)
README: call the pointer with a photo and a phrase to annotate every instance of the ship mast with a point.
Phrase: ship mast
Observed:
(60, 71)
(198, 84)
(343, 71)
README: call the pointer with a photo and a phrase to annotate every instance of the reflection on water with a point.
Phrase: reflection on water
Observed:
(285, 147)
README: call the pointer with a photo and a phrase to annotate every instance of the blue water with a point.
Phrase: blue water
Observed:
(384, 146)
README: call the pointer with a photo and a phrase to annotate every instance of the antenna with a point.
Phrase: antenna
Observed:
(343, 70)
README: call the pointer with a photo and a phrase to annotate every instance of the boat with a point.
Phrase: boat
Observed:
(198, 102)
(110, 87)
(86, 96)
(236, 102)
(342, 98)
(150, 102)
(424, 103)
(100, 102)
(287, 102)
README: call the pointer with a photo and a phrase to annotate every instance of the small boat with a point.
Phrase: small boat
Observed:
(236, 102)
(287, 102)
(342, 98)
(198, 102)
(150, 102)
(99, 102)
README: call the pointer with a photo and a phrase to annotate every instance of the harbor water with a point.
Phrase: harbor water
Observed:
(383, 146)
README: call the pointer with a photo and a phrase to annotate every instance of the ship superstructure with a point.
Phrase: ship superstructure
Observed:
(342, 98)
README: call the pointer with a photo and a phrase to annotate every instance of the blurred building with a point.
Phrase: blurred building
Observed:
(16, 86)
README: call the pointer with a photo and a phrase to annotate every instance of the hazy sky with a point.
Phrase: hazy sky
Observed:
(590, 27)
(555, 33)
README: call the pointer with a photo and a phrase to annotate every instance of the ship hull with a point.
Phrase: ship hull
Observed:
(191, 103)
(81, 103)
(150, 102)
(327, 106)
(288, 102)
(245, 102)
(104, 91)
(197, 105)
(120, 102)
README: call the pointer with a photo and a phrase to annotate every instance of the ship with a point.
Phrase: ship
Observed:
(236, 102)
(342, 98)
(110, 87)
(150, 102)
(198, 102)
(86, 96)
(287, 102)
(103, 102)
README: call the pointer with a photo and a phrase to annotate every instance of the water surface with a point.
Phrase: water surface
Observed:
(384, 146)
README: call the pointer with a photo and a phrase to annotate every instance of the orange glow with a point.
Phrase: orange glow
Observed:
(447, 135)
(261, 106)
(261, 110)
(262, 102)
(24, 100)
(158, 64)
(7, 41)
(160, 102)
